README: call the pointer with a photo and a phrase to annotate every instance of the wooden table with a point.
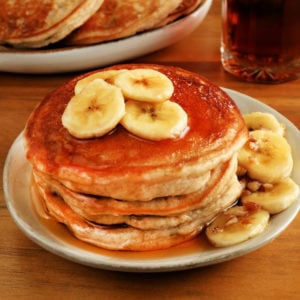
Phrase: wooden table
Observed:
(28, 271)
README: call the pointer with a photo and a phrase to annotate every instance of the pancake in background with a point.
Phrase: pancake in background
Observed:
(117, 19)
(186, 7)
(34, 24)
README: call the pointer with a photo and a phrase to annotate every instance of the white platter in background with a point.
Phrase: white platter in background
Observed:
(83, 58)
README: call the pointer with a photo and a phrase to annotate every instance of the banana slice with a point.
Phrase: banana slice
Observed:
(105, 75)
(96, 110)
(145, 85)
(155, 121)
(266, 156)
(276, 199)
(262, 120)
(237, 224)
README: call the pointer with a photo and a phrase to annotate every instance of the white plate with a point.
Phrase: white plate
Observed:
(17, 192)
(83, 58)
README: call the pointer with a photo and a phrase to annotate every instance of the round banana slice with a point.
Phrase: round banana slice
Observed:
(96, 110)
(145, 85)
(266, 156)
(166, 120)
(277, 198)
(237, 224)
(262, 120)
(105, 75)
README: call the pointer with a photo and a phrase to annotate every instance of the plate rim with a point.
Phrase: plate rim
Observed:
(174, 263)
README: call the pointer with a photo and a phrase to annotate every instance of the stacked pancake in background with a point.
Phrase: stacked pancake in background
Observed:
(36, 24)
(163, 167)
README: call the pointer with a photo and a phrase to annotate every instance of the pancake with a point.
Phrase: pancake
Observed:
(183, 9)
(36, 24)
(118, 238)
(210, 207)
(90, 207)
(123, 192)
(208, 203)
(177, 186)
(118, 19)
(118, 164)
(136, 239)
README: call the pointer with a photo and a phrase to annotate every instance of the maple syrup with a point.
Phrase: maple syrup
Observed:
(261, 40)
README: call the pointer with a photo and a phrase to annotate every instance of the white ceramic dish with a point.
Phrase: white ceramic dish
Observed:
(17, 192)
(83, 58)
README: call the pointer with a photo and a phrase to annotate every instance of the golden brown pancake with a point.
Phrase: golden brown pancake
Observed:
(156, 221)
(153, 235)
(34, 24)
(117, 19)
(90, 206)
(183, 9)
(120, 165)
(117, 191)
(177, 186)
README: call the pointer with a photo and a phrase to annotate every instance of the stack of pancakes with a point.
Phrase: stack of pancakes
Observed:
(35, 24)
(122, 192)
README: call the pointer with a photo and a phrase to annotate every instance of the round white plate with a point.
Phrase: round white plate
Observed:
(17, 192)
(83, 58)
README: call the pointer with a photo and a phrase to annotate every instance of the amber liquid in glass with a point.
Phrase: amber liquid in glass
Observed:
(261, 39)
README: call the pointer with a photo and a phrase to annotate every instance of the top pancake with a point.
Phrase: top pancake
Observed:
(29, 23)
(117, 19)
(120, 160)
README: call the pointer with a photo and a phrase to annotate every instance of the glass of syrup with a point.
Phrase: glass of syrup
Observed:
(261, 39)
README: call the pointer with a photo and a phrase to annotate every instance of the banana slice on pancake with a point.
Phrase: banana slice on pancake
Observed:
(276, 199)
(105, 75)
(263, 120)
(266, 156)
(155, 121)
(146, 85)
(96, 110)
(149, 112)
(237, 224)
